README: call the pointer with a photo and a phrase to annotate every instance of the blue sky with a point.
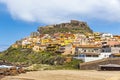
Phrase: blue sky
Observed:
(12, 30)
(19, 18)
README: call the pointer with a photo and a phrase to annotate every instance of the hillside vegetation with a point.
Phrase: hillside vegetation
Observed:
(29, 57)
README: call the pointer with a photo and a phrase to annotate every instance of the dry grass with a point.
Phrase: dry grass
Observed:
(67, 75)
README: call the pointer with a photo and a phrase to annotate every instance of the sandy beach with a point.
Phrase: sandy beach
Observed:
(67, 75)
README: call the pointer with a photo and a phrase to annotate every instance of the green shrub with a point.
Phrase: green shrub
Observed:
(29, 57)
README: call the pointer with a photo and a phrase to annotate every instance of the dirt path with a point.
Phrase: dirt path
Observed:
(67, 75)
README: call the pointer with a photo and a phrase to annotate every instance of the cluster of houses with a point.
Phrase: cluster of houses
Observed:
(88, 47)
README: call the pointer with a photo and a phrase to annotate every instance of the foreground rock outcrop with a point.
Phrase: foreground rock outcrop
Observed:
(10, 70)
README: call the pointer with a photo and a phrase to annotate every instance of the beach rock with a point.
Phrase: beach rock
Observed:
(11, 70)
(21, 70)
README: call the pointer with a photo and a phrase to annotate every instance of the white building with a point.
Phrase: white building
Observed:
(25, 42)
(88, 52)
(106, 36)
(92, 53)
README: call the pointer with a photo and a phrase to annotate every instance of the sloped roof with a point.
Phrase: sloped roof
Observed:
(110, 65)
(89, 46)
(90, 53)
(113, 43)
(116, 54)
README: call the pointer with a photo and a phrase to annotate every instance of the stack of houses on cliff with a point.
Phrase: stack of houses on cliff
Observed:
(87, 47)
(81, 43)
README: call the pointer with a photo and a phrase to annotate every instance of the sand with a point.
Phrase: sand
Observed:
(67, 75)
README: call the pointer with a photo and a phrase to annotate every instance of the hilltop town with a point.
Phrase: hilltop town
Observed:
(75, 39)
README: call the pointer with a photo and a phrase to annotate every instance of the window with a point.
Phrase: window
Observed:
(81, 55)
(95, 55)
(84, 50)
(92, 50)
(88, 56)
(103, 50)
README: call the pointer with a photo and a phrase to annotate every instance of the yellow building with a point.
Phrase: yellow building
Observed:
(15, 45)
(36, 48)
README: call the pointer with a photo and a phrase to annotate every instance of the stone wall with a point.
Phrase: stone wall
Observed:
(74, 27)
(94, 65)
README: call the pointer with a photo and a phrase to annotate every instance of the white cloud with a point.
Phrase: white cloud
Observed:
(3, 47)
(55, 11)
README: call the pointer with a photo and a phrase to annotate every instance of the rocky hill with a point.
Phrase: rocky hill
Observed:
(74, 27)
(23, 53)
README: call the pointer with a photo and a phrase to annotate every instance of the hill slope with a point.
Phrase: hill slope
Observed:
(28, 56)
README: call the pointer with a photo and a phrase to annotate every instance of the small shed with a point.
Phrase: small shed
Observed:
(110, 67)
